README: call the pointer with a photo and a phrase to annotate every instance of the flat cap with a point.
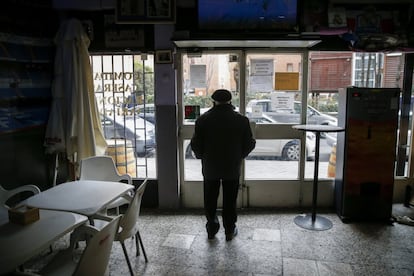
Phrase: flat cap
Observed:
(221, 95)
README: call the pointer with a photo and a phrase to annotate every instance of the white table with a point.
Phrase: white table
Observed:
(19, 243)
(84, 197)
(312, 221)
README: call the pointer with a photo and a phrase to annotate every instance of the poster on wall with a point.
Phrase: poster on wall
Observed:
(145, 11)
(120, 36)
(198, 76)
(14, 119)
(261, 75)
(25, 82)
(337, 17)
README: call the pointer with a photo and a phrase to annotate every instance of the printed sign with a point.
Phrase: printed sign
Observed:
(191, 112)
(282, 101)
(287, 81)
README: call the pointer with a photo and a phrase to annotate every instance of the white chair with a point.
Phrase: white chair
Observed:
(103, 168)
(128, 226)
(5, 195)
(94, 259)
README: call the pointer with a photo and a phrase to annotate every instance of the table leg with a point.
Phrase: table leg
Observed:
(312, 221)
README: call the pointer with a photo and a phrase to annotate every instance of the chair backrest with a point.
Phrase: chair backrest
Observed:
(101, 168)
(5, 195)
(95, 257)
(129, 221)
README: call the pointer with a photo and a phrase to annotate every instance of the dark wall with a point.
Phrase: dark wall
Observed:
(28, 17)
(26, 69)
(23, 159)
(313, 20)
(107, 36)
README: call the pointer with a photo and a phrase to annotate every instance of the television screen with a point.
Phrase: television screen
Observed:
(257, 15)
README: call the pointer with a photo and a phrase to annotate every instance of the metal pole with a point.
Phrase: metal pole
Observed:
(315, 177)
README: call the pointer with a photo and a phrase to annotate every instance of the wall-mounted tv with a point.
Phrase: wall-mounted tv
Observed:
(247, 15)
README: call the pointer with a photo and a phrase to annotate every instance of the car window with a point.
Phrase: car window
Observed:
(106, 123)
(261, 120)
(309, 112)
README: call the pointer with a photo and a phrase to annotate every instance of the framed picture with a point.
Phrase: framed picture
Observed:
(145, 11)
(163, 56)
(122, 36)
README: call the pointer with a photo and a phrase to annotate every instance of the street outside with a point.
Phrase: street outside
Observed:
(255, 168)
(269, 169)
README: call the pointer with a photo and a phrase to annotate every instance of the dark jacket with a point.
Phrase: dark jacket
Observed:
(222, 139)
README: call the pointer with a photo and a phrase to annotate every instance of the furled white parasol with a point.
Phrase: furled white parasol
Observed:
(74, 127)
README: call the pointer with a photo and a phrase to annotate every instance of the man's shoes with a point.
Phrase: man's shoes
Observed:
(230, 236)
(211, 233)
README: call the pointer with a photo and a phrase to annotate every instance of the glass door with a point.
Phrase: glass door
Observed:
(266, 87)
(273, 97)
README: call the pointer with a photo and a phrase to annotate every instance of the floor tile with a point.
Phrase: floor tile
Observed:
(269, 243)
(261, 234)
(299, 267)
(334, 269)
(179, 241)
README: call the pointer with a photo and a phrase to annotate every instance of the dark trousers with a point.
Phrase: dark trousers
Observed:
(211, 194)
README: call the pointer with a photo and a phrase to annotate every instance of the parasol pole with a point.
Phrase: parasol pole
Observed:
(56, 169)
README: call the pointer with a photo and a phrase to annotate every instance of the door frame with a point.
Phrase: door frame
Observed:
(253, 192)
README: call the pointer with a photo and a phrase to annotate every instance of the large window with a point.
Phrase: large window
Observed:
(330, 71)
(369, 69)
(267, 75)
(124, 88)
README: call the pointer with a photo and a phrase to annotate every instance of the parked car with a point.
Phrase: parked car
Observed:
(331, 139)
(140, 132)
(286, 149)
(292, 116)
(144, 111)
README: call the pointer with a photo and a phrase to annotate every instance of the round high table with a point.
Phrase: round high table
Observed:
(312, 221)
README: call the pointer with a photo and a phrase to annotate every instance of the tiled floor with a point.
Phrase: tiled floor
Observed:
(268, 243)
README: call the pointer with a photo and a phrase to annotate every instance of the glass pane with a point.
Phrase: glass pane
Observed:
(273, 87)
(327, 160)
(204, 74)
(322, 109)
(330, 71)
(124, 88)
(273, 159)
(279, 169)
(192, 166)
(272, 95)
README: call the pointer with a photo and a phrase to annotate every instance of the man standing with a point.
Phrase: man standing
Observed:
(222, 139)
